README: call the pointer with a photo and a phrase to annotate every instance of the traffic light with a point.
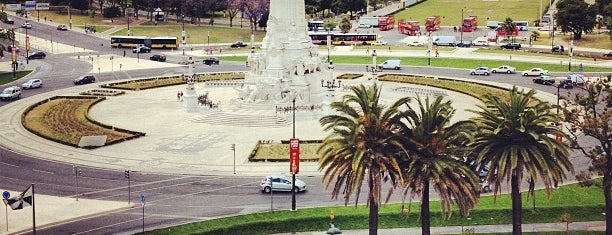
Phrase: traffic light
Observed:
(76, 170)
(127, 174)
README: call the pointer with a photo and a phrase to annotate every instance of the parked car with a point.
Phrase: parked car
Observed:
(26, 25)
(10, 93)
(141, 49)
(36, 55)
(238, 44)
(211, 61)
(480, 71)
(512, 45)
(504, 69)
(85, 79)
(566, 83)
(380, 42)
(535, 72)
(160, 58)
(480, 43)
(557, 48)
(62, 27)
(416, 44)
(544, 80)
(484, 185)
(464, 44)
(365, 26)
(32, 83)
(9, 21)
(281, 183)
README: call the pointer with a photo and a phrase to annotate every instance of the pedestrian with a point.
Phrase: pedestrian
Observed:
(437, 52)
(367, 50)
(123, 53)
(580, 68)
(45, 19)
(178, 95)
(455, 28)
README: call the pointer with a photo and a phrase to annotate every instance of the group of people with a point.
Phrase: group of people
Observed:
(299, 108)
(205, 101)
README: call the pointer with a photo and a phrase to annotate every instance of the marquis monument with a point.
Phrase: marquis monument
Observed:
(289, 66)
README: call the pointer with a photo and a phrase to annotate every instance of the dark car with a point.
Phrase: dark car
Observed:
(37, 55)
(566, 84)
(557, 48)
(512, 45)
(609, 54)
(464, 44)
(85, 79)
(160, 58)
(9, 21)
(62, 27)
(544, 80)
(211, 61)
(238, 44)
(141, 49)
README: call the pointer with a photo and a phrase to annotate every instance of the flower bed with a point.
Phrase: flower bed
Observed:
(269, 151)
(102, 93)
(148, 83)
(64, 119)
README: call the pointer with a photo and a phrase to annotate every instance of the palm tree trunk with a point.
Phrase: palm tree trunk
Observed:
(607, 183)
(516, 205)
(425, 215)
(373, 217)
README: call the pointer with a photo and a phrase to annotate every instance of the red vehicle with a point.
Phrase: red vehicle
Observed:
(470, 24)
(411, 27)
(432, 23)
(502, 33)
(386, 22)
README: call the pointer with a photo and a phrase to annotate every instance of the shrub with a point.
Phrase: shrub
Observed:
(584, 179)
(111, 12)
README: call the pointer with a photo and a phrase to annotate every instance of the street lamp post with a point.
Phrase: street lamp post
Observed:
(328, 43)
(461, 27)
(373, 63)
(128, 22)
(184, 42)
(27, 46)
(293, 203)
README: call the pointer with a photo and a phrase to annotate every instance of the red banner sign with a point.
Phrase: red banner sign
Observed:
(294, 156)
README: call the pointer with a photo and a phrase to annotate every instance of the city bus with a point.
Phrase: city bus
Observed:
(315, 25)
(522, 25)
(154, 42)
(318, 38)
(342, 39)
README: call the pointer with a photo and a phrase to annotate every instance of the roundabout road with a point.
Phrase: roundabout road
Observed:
(171, 198)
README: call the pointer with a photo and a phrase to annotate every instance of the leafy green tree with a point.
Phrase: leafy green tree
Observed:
(509, 27)
(515, 139)
(575, 16)
(432, 144)
(589, 113)
(362, 146)
(345, 24)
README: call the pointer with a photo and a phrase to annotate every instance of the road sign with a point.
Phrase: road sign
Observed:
(42, 6)
(6, 194)
(142, 199)
(30, 5)
(294, 155)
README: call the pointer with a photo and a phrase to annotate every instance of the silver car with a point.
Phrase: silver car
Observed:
(281, 183)
(32, 83)
(480, 71)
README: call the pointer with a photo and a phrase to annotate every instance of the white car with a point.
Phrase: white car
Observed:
(480, 71)
(365, 26)
(10, 93)
(416, 44)
(32, 83)
(380, 43)
(535, 72)
(504, 69)
(281, 183)
(26, 25)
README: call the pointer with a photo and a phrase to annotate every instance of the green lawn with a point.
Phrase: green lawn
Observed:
(582, 204)
(7, 77)
(196, 34)
(450, 10)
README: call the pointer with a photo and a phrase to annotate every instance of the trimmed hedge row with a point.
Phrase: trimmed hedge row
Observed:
(157, 82)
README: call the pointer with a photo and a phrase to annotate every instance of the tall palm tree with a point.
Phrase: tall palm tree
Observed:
(515, 139)
(362, 145)
(509, 27)
(434, 146)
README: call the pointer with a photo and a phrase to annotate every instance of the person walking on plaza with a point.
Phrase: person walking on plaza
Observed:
(437, 52)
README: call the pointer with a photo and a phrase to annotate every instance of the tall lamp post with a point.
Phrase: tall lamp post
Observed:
(374, 63)
(128, 20)
(293, 203)
(461, 27)
(184, 42)
(27, 46)
(328, 43)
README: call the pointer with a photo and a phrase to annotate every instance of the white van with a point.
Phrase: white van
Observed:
(390, 64)
(577, 79)
(10, 93)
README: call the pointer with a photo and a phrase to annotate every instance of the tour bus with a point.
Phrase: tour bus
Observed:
(154, 42)
(354, 38)
(315, 25)
(318, 38)
(522, 25)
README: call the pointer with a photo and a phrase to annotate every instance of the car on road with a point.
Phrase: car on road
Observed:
(480, 43)
(10, 93)
(36, 55)
(211, 61)
(566, 83)
(484, 185)
(544, 80)
(577, 79)
(416, 43)
(480, 71)
(504, 69)
(464, 44)
(512, 45)
(32, 83)
(85, 79)
(62, 27)
(281, 183)
(26, 25)
(10, 48)
(160, 58)
(557, 48)
(609, 54)
(9, 21)
(141, 49)
(380, 43)
(535, 72)
(238, 44)
(364, 26)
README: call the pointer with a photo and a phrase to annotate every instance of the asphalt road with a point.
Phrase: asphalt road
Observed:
(171, 199)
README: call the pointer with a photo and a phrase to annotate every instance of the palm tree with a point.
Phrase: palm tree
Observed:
(515, 139)
(509, 27)
(362, 145)
(434, 146)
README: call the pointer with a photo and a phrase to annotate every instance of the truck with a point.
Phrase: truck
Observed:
(432, 23)
(445, 41)
(492, 24)
(369, 20)
(470, 24)
(386, 22)
(410, 27)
